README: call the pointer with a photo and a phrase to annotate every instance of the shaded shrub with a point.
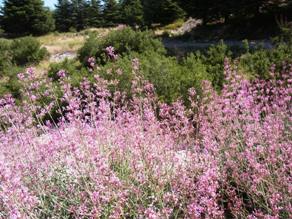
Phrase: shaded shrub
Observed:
(214, 58)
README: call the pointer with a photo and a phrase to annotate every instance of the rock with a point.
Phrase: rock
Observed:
(187, 26)
(60, 57)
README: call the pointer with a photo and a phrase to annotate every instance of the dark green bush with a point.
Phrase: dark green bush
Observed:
(124, 41)
(214, 61)
(27, 50)
(8, 72)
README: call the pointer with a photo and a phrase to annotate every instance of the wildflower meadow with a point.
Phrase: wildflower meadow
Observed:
(94, 152)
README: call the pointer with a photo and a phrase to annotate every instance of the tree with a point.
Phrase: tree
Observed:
(170, 11)
(24, 17)
(63, 15)
(132, 11)
(78, 14)
(111, 12)
(93, 13)
(161, 11)
(79, 18)
(151, 11)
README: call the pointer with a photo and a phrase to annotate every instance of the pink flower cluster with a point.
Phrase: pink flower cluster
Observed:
(111, 53)
(91, 62)
(108, 156)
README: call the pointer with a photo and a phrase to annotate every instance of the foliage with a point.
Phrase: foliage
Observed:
(170, 78)
(71, 68)
(123, 41)
(212, 10)
(78, 15)
(132, 11)
(161, 11)
(26, 17)
(214, 60)
(27, 50)
(5, 54)
(111, 13)
(257, 63)
(14, 55)
(9, 84)
(63, 15)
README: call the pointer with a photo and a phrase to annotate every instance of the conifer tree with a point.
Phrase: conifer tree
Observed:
(170, 11)
(79, 18)
(111, 12)
(132, 11)
(63, 15)
(161, 11)
(93, 13)
(24, 17)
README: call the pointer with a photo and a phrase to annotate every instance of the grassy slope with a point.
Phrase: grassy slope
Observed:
(59, 43)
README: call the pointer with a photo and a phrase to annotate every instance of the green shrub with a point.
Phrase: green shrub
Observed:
(27, 50)
(5, 54)
(74, 70)
(70, 66)
(214, 61)
(170, 78)
(9, 83)
(257, 63)
(124, 41)
(8, 72)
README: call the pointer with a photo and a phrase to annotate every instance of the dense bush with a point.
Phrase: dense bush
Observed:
(14, 55)
(123, 41)
(9, 82)
(170, 78)
(214, 61)
(228, 156)
(5, 54)
(258, 62)
(27, 50)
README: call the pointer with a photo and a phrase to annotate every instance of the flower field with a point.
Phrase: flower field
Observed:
(96, 152)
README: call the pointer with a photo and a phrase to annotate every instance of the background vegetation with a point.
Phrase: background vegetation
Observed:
(31, 17)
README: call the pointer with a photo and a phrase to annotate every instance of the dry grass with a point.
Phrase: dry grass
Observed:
(170, 27)
(59, 43)
(69, 42)
(42, 67)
